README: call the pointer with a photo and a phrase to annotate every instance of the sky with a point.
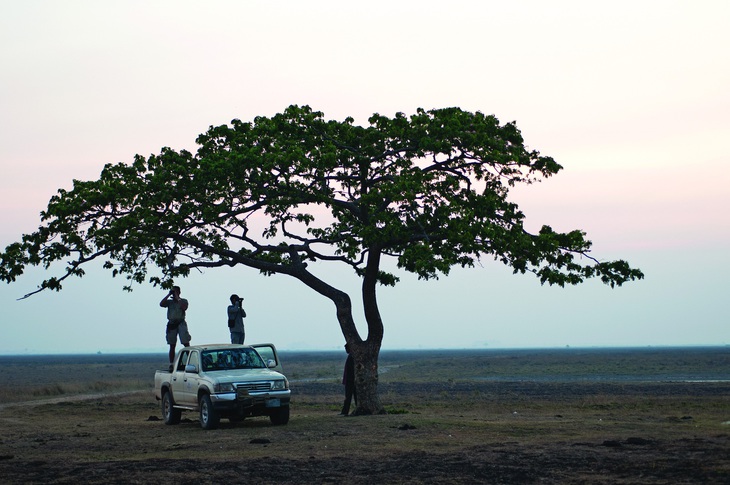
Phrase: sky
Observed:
(631, 97)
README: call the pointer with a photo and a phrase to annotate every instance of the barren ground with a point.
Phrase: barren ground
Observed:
(439, 429)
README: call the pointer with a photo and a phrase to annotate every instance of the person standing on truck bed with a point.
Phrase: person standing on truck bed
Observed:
(176, 324)
(236, 314)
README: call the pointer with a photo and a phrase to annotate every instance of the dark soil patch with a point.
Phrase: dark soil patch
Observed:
(684, 461)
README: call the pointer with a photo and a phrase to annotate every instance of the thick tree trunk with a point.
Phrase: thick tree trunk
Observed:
(366, 378)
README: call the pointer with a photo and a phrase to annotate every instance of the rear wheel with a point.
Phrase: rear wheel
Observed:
(209, 417)
(169, 414)
(280, 416)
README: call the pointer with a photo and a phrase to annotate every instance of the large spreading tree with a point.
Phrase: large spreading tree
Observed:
(279, 194)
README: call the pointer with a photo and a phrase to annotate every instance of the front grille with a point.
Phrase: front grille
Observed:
(244, 388)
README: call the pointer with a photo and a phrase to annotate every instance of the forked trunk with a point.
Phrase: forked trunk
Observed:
(365, 353)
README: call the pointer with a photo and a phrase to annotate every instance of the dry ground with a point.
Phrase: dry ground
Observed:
(437, 431)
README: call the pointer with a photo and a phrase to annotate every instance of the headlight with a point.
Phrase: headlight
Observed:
(280, 385)
(224, 387)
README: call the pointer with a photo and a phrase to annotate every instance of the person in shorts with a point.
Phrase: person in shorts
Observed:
(177, 327)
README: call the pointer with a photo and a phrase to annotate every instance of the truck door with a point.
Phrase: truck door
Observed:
(268, 353)
(191, 379)
(180, 389)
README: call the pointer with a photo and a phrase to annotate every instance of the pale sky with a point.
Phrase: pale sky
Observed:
(631, 97)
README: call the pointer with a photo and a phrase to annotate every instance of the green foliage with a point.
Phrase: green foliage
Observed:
(430, 190)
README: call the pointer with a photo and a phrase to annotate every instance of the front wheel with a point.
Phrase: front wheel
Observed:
(280, 416)
(209, 417)
(170, 414)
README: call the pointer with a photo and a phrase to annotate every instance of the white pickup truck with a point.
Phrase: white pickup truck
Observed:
(224, 381)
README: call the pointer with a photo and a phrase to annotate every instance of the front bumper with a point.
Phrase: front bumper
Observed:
(250, 403)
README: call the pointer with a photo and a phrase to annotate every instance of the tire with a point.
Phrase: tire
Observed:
(280, 416)
(170, 415)
(209, 417)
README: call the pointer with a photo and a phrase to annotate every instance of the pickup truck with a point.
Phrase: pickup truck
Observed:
(224, 381)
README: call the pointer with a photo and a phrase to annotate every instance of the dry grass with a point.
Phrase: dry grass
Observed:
(438, 430)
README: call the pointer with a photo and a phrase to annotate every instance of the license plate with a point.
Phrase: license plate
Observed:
(273, 403)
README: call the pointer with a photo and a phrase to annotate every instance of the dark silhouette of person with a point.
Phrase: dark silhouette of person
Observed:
(348, 379)
(236, 314)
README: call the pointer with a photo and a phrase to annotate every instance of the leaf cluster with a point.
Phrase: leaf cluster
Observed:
(275, 194)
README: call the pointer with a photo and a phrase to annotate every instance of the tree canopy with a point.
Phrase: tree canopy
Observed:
(279, 193)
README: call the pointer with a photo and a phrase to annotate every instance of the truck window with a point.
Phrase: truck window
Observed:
(194, 360)
(266, 353)
(183, 360)
(243, 358)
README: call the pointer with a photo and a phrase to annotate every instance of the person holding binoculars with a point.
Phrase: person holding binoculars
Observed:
(236, 314)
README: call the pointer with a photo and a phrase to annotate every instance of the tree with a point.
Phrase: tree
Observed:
(280, 193)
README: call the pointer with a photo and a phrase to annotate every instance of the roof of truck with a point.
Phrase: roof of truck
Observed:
(225, 346)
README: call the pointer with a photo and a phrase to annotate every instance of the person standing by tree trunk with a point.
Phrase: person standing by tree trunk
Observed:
(236, 314)
(348, 379)
(176, 324)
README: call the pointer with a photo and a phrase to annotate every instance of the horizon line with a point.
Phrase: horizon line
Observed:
(400, 349)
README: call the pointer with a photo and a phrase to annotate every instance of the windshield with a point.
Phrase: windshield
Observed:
(231, 359)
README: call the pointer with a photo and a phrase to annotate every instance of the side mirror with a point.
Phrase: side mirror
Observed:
(191, 368)
(271, 363)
